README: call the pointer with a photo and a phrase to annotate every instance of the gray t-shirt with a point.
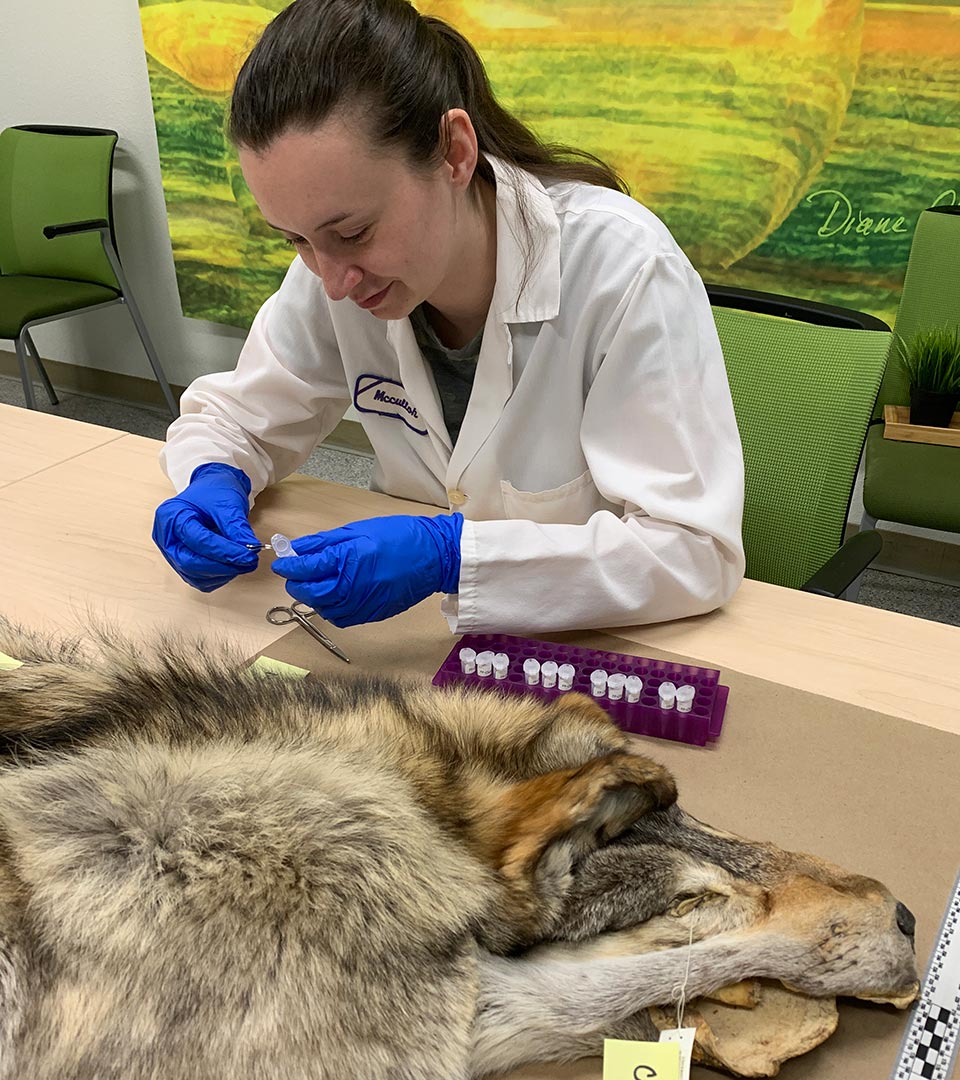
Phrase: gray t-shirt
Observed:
(453, 369)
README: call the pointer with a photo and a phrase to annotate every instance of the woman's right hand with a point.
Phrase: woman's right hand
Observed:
(203, 532)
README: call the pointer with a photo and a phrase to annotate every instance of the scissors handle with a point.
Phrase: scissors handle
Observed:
(280, 616)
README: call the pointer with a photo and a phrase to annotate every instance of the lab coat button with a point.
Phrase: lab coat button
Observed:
(456, 497)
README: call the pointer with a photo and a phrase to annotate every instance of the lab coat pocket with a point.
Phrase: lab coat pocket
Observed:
(569, 504)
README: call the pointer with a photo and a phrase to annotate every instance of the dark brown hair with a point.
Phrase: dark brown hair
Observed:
(401, 71)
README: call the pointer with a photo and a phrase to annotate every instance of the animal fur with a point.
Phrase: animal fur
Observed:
(204, 875)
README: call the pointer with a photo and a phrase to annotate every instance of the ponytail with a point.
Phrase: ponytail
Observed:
(501, 134)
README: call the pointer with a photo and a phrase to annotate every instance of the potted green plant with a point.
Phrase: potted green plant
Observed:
(931, 362)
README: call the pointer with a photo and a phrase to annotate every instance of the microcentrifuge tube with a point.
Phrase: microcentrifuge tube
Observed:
(282, 547)
(634, 687)
(468, 660)
(531, 671)
(667, 692)
(615, 685)
(598, 682)
(548, 673)
(484, 663)
(685, 696)
(501, 664)
(565, 674)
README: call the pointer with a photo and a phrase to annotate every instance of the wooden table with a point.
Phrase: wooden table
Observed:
(77, 503)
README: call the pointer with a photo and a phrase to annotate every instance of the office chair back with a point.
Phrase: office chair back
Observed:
(51, 175)
(930, 295)
(918, 484)
(803, 395)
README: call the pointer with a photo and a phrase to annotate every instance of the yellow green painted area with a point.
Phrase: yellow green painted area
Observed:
(789, 144)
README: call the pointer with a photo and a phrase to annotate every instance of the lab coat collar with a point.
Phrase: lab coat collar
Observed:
(538, 301)
(520, 296)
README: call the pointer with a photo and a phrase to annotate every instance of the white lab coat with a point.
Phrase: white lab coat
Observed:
(598, 468)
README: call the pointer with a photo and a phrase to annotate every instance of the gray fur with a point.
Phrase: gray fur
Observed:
(206, 876)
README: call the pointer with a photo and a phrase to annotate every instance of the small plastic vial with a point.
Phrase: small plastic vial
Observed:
(667, 692)
(501, 665)
(282, 547)
(685, 695)
(615, 685)
(565, 674)
(531, 671)
(634, 687)
(468, 660)
(484, 663)
(548, 672)
(598, 683)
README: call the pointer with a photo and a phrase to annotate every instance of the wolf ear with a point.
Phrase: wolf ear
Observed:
(540, 828)
(585, 807)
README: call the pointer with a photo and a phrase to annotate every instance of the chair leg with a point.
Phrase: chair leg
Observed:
(852, 591)
(114, 259)
(25, 373)
(147, 343)
(51, 393)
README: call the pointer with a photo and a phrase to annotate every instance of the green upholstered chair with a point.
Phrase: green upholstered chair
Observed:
(916, 483)
(804, 378)
(58, 253)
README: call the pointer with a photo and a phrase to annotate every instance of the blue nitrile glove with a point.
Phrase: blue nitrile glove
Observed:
(370, 570)
(202, 531)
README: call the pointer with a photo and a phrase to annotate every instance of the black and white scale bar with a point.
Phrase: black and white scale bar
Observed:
(929, 1048)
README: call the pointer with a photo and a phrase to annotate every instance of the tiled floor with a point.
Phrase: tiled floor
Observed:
(912, 596)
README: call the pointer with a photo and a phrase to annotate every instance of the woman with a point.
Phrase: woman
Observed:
(526, 346)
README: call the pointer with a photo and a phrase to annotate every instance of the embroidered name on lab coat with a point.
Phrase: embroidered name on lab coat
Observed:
(386, 397)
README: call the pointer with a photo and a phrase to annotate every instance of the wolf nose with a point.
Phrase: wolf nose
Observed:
(905, 920)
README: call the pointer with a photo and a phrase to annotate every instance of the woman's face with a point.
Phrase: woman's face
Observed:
(373, 229)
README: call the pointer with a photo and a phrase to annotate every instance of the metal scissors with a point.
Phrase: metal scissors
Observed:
(300, 613)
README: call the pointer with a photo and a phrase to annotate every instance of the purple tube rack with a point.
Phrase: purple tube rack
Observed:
(644, 717)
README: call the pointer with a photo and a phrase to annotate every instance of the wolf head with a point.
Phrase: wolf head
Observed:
(670, 878)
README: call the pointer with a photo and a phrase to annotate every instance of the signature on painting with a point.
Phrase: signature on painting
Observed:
(843, 217)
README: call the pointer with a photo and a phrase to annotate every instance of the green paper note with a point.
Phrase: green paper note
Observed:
(263, 665)
(7, 663)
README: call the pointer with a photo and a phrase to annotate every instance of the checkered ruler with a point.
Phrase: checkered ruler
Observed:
(930, 1044)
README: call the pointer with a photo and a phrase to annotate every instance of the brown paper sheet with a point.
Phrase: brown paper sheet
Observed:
(873, 793)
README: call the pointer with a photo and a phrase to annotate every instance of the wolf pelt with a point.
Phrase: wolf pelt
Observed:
(207, 875)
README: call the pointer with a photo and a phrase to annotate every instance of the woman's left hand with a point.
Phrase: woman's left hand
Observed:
(370, 570)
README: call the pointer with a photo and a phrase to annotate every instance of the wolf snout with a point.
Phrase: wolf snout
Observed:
(906, 922)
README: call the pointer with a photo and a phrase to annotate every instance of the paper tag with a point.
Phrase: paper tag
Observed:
(684, 1038)
(624, 1059)
(7, 663)
(264, 665)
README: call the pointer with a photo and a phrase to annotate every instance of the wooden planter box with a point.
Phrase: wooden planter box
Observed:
(896, 425)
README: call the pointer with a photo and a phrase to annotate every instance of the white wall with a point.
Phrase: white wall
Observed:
(82, 62)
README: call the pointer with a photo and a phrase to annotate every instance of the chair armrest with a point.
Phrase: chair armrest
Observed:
(96, 225)
(791, 307)
(843, 568)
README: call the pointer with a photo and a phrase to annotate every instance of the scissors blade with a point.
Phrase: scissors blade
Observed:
(319, 635)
